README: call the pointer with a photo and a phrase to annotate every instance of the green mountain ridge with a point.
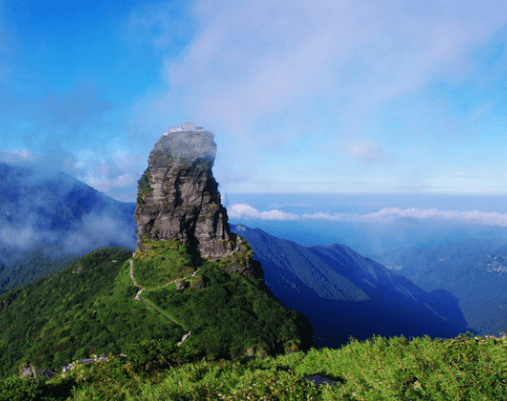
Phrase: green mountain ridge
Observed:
(90, 308)
(188, 275)
(49, 220)
(473, 271)
(188, 315)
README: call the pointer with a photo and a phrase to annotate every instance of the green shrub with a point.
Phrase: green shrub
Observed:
(16, 389)
(150, 355)
(161, 262)
(229, 315)
(143, 187)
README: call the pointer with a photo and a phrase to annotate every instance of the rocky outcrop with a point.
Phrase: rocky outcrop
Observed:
(178, 199)
(29, 372)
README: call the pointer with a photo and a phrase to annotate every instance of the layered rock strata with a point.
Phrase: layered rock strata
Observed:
(178, 199)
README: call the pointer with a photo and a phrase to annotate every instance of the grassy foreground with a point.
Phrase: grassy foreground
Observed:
(464, 368)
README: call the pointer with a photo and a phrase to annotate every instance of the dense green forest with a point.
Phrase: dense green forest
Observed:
(84, 309)
(472, 270)
(25, 268)
(88, 308)
(229, 314)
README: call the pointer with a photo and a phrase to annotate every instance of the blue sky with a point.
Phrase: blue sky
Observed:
(316, 97)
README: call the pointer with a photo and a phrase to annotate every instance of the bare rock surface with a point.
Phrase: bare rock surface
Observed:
(178, 199)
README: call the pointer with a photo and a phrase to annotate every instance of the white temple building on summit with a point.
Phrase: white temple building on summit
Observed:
(184, 127)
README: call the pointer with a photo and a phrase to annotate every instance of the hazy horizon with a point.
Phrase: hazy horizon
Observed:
(371, 223)
(368, 223)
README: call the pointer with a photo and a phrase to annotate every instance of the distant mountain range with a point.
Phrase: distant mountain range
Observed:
(474, 271)
(344, 294)
(49, 220)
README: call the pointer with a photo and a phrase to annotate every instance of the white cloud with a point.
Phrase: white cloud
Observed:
(245, 211)
(280, 80)
(390, 214)
(253, 60)
(18, 237)
(384, 215)
(17, 156)
(108, 171)
(98, 229)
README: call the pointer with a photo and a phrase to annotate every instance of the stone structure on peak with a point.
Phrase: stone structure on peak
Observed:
(178, 199)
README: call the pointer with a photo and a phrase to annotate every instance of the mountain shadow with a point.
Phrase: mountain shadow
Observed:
(344, 294)
(474, 271)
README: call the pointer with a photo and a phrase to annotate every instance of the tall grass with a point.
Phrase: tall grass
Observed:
(463, 368)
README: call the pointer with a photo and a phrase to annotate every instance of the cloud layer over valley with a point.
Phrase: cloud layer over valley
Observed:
(58, 214)
(384, 215)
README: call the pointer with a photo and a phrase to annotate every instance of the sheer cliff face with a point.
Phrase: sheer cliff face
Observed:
(178, 199)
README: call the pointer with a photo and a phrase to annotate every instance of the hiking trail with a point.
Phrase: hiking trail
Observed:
(138, 298)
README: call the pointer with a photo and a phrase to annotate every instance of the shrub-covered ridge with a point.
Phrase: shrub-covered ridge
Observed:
(86, 308)
(90, 308)
(463, 368)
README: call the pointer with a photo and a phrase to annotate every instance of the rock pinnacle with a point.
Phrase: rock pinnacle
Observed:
(178, 199)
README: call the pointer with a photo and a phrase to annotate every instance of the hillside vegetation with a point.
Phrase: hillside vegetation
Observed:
(161, 262)
(244, 345)
(31, 266)
(464, 368)
(336, 284)
(89, 308)
(86, 308)
(473, 271)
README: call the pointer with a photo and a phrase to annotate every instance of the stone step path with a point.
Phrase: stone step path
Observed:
(138, 298)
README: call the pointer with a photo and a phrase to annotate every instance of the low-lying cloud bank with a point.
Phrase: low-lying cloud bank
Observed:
(384, 215)
(58, 214)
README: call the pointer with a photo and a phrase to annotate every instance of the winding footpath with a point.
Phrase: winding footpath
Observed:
(138, 298)
(317, 380)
